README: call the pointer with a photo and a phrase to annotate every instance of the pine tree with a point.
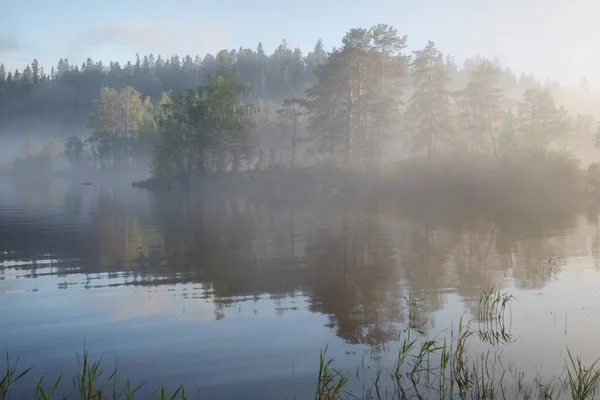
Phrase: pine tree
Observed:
(231, 122)
(35, 69)
(138, 64)
(207, 126)
(317, 57)
(260, 50)
(540, 121)
(429, 122)
(385, 87)
(481, 106)
(327, 105)
(508, 140)
(27, 75)
(356, 101)
(3, 90)
(290, 115)
(319, 52)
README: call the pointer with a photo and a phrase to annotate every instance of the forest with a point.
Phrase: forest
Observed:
(361, 106)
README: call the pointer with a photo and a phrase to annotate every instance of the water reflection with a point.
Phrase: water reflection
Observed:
(355, 261)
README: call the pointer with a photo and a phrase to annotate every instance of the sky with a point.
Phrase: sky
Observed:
(556, 39)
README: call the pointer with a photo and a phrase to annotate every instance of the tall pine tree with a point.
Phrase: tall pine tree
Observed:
(429, 122)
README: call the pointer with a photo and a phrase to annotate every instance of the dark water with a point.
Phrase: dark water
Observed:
(236, 295)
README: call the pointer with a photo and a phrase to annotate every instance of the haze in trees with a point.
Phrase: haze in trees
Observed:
(360, 106)
(389, 132)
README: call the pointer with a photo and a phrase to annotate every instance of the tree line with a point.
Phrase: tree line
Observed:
(70, 89)
(346, 106)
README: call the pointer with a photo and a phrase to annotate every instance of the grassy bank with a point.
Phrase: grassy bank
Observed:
(425, 367)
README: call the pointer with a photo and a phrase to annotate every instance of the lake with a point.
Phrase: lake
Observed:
(236, 295)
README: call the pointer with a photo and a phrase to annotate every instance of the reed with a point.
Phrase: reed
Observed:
(424, 368)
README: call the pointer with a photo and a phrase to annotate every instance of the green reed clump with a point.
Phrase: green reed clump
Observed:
(430, 368)
(10, 377)
(87, 384)
(331, 382)
(415, 309)
(582, 382)
(492, 304)
(425, 368)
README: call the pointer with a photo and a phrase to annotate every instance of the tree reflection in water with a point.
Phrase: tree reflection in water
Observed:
(356, 261)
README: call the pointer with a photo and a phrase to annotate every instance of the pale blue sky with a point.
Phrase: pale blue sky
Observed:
(555, 38)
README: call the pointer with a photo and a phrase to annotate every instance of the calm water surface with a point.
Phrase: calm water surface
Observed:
(236, 295)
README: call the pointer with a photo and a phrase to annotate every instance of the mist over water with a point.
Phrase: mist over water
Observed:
(220, 219)
(204, 288)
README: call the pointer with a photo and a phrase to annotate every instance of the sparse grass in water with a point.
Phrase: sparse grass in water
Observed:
(582, 382)
(86, 385)
(425, 368)
(331, 382)
(492, 304)
(10, 377)
(415, 309)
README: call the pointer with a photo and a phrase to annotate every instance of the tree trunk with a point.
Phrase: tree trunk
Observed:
(492, 131)
(431, 116)
(349, 116)
(294, 139)
(359, 129)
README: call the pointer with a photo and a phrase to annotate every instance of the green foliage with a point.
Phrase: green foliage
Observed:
(492, 305)
(70, 90)
(121, 124)
(206, 128)
(11, 376)
(481, 107)
(425, 367)
(90, 383)
(174, 157)
(356, 101)
(582, 381)
(330, 382)
(352, 109)
(541, 122)
(291, 115)
(429, 122)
